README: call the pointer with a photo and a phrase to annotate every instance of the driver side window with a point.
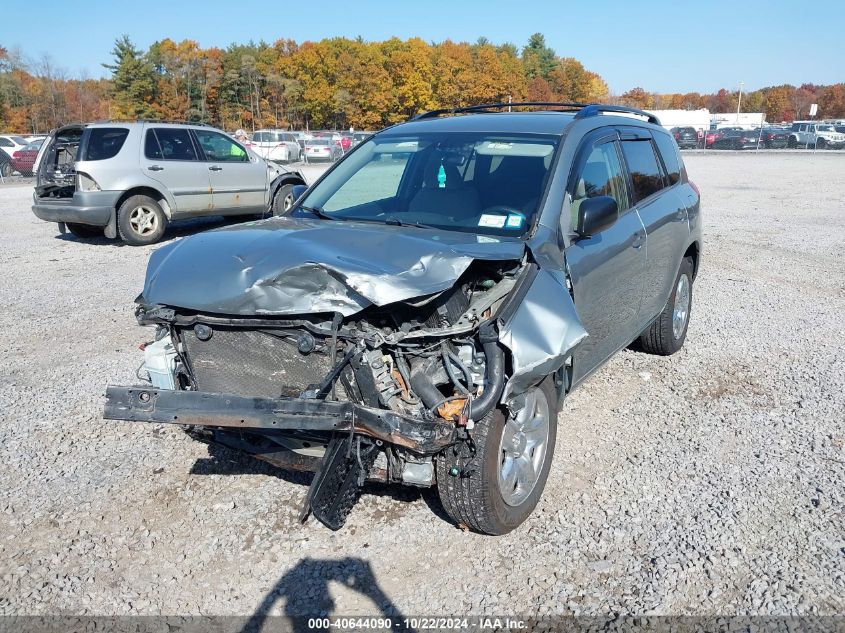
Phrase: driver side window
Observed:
(220, 148)
(600, 175)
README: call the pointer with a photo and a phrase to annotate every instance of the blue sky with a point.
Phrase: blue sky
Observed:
(659, 45)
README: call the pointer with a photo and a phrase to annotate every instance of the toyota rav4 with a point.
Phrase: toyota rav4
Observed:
(424, 309)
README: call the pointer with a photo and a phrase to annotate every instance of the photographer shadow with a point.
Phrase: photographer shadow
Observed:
(305, 590)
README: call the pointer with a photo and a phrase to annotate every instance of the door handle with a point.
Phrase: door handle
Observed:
(638, 240)
(155, 168)
(215, 168)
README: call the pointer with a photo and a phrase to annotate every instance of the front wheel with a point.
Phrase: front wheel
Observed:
(493, 483)
(283, 200)
(666, 335)
(6, 169)
(821, 143)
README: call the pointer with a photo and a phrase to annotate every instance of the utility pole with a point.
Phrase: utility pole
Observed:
(739, 100)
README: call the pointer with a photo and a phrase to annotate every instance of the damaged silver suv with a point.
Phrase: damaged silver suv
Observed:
(425, 308)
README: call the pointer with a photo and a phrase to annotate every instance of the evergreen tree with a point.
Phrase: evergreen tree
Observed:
(133, 81)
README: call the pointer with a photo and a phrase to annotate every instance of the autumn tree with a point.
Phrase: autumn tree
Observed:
(832, 102)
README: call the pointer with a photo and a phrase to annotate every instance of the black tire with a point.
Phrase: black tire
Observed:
(659, 338)
(6, 168)
(84, 230)
(821, 143)
(468, 484)
(792, 143)
(130, 226)
(283, 200)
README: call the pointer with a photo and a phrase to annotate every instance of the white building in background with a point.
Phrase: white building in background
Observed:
(745, 120)
(703, 119)
(698, 119)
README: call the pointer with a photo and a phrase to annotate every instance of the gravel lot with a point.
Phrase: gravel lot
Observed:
(711, 482)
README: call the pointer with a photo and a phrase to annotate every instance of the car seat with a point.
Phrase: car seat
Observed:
(456, 199)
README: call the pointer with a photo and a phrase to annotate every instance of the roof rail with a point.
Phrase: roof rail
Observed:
(596, 109)
(171, 121)
(563, 105)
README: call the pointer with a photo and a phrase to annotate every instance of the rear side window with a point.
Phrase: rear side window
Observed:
(169, 144)
(671, 159)
(103, 142)
(642, 164)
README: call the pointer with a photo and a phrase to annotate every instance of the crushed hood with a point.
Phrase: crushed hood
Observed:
(292, 265)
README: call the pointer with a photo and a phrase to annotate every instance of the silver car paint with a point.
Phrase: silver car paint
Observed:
(289, 266)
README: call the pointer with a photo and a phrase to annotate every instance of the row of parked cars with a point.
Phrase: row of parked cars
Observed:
(293, 146)
(18, 153)
(801, 134)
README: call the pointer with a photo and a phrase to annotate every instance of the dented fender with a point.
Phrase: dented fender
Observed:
(541, 332)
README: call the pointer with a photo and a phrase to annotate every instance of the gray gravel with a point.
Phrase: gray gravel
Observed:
(711, 482)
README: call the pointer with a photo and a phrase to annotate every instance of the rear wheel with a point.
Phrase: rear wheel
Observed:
(792, 143)
(84, 230)
(6, 169)
(669, 331)
(140, 221)
(494, 488)
(821, 143)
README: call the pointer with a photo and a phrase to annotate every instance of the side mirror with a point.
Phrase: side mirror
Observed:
(297, 192)
(596, 214)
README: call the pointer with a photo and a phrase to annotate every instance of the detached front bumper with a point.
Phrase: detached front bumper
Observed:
(226, 411)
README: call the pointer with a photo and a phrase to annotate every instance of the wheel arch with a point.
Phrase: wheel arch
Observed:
(145, 190)
(694, 253)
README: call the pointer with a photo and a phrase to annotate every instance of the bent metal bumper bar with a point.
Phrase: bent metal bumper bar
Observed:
(226, 411)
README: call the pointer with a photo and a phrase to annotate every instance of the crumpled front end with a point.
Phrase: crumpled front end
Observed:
(322, 359)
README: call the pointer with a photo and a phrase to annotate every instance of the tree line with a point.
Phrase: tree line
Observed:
(337, 83)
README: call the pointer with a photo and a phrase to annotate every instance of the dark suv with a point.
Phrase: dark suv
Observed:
(427, 305)
(685, 137)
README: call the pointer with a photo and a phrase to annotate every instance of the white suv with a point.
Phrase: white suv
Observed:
(276, 145)
(131, 179)
(814, 134)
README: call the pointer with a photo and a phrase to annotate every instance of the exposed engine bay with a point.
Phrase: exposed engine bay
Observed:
(433, 357)
(300, 351)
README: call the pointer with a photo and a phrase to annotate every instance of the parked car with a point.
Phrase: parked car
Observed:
(301, 138)
(129, 180)
(816, 135)
(685, 137)
(711, 136)
(427, 305)
(322, 149)
(276, 145)
(774, 137)
(9, 144)
(359, 137)
(23, 160)
(737, 139)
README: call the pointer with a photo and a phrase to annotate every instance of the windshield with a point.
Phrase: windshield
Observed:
(471, 182)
